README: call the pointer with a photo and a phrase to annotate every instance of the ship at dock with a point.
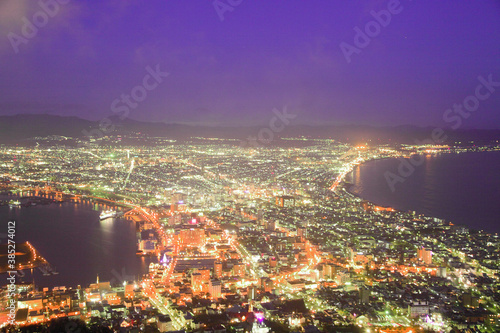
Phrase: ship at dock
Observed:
(107, 214)
(14, 203)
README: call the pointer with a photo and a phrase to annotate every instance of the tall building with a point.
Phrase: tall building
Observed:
(215, 288)
(205, 273)
(424, 255)
(199, 280)
(239, 269)
(252, 292)
(218, 269)
(329, 271)
(364, 295)
(196, 283)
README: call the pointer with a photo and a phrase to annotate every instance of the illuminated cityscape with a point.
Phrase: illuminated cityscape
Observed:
(267, 238)
(249, 166)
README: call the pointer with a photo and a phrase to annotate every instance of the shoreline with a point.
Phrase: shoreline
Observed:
(348, 187)
(42, 281)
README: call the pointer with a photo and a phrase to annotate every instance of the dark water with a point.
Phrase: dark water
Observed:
(461, 188)
(71, 238)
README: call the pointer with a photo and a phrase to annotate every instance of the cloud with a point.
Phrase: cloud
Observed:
(15, 13)
(11, 14)
(68, 24)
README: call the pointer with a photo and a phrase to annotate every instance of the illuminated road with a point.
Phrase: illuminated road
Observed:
(149, 288)
(162, 304)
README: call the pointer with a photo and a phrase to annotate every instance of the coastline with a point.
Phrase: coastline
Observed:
(95, 237)
(348, 185)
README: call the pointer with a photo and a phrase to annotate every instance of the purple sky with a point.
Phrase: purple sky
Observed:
(265, 54)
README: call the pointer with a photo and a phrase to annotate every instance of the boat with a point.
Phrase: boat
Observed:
(107, 214)
(14, 203)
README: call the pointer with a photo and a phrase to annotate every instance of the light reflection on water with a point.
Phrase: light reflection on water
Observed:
(71, 237)
(463, 188)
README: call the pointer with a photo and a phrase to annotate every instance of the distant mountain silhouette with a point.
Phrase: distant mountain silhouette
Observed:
(24, 128)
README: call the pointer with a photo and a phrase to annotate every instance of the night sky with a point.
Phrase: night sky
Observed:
(232, 65)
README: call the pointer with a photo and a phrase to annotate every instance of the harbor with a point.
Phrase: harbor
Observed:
(75, 243)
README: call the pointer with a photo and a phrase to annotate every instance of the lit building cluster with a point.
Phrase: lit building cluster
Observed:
(254, 239)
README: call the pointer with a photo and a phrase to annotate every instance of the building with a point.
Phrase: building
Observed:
(165, 324)
(285, 201)
(178, 198)
(419, 308)
(205, 273)
(33, 304)
(329, 271)
(147, 245)
(239, 269)
(266, 284)
(178, 207)
(192, 237)
(341, 278)
(272, 262)
(270, 225)
(175, 219)
(252, 292)
(296, 285)
(442, 272)
(364, 295)
(424, 255)
(302, 232)
(196, 282)
(469, 300)
(215, 288)
(218, 269)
